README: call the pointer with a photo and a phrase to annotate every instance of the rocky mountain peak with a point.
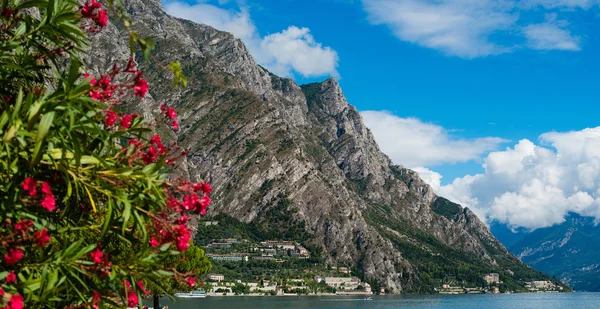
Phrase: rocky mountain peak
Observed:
(299, 160)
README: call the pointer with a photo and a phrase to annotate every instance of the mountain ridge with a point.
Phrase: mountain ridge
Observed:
(562, 250)
(300, 157)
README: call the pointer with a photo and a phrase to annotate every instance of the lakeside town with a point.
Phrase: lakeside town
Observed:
(288, 272)
(493, 281)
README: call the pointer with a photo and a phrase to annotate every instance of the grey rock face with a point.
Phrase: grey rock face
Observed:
(261, 139)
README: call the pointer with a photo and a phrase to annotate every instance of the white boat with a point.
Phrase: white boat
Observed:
(192, 294)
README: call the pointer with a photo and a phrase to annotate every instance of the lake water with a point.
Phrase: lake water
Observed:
(511, 301)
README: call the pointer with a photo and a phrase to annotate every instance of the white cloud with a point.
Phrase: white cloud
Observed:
(550, 36)
(467, 28)
(413, 143)
(457, 27)
(527, 185)
(296, 49)
(434, 179)
(237, 23)
(293, 50)
(535, 186)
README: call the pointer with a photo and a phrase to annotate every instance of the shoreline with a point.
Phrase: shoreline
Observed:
(363, 294)
(288, 295)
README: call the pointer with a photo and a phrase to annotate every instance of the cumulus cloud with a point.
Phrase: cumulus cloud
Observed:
(434, 179)
(293, 50)
(457, 27)
(466, 28)
(296, 49)
(413, 143)
(535, 186)
(549, 36)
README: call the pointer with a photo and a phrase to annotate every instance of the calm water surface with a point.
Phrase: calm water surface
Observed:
(512, 301)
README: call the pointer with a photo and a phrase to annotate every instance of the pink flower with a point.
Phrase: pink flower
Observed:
(101, 19)
(204, 202)
(132, 298)
(7, 13)
(11, 278)
(191, 281)
(95, 94)
(151, 155)
(126, 121)
(153, 242)
(170, 113)
(96, 297)
(105, 82)
(46, 188)
(140, 285)
(204, 186)
(155, 139)
(130, 66)
(15, 302)
(13, 256)
(23, 224)
(111, 118)
(140, 87)
(183, 219)
(92, 81)
(30, 185)
(175, 125)
(182, 236)
(41, 237)
(96, 256)
(49, 203)
(190, 201)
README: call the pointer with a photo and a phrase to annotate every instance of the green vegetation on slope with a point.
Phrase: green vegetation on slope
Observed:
(436, 263)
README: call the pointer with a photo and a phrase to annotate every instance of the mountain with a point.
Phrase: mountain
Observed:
(566, 251)
(299, 161)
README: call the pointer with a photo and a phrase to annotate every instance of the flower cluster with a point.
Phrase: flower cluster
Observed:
(102, 263)
(48, 200)
(15, 301)
(88, 213)
(20, 234)
(105, 90)
(92, 10)
(132, 298)
(16, 237)
(195, 197)
(171, 115)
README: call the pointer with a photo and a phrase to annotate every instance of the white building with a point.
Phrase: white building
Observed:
(216, 277)
(492, 278)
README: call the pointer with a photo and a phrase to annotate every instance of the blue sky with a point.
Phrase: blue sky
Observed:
(470, 77)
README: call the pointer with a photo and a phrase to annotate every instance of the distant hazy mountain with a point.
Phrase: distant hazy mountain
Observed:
(568, 251)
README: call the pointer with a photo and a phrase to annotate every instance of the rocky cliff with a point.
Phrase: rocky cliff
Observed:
(300, 158)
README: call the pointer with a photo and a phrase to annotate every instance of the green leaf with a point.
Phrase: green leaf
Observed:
(126, 214)
(44, 126)
(17, 107)
(73, 73)
(165, 247)
(32, 3)
(21, 30)
(83, 251)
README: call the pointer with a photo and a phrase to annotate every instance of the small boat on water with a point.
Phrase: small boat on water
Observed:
(368, 298)
(192, 294)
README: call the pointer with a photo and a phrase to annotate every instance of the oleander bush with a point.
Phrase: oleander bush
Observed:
(89, 216)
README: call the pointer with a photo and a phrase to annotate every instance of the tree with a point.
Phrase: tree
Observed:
(89, 216)
(192, 262)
